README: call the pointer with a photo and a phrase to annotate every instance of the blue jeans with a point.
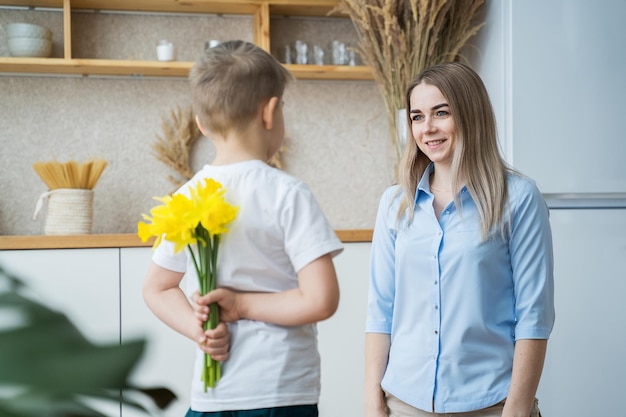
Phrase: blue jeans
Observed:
(289, 411)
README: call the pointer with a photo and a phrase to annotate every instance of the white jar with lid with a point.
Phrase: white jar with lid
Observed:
(165, 51)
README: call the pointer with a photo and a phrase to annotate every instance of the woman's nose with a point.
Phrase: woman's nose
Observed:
(428, 126)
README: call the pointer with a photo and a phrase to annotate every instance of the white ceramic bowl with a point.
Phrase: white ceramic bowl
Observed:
(27, 30)
(30, 47)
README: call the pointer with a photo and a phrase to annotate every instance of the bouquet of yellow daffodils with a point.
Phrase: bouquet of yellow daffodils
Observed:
(197, 220)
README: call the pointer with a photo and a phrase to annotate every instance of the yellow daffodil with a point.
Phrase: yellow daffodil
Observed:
(213, 212)
(197, 220)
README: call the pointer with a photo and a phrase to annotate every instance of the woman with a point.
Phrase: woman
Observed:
(461, 289)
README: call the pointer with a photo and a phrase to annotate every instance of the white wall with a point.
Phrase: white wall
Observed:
(489, 55)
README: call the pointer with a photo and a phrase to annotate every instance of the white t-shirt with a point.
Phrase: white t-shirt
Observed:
(279, 229)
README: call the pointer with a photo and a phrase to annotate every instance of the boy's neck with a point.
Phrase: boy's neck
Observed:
(239, 148)
(233, 159)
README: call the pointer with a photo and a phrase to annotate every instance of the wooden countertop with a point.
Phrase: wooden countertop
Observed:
(120, 240)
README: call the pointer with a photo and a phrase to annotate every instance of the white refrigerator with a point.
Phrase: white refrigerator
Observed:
(565, 110)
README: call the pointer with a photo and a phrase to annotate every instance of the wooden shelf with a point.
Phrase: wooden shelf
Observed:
(331, 72)
(168, 6)
(57, 4)
(93, 67)
(302, 7)
(71, 242)
(261, 10)
(121, 241)
(160, 69)
(276, 7)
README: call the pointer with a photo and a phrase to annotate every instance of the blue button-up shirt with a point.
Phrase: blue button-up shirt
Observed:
(454, 304)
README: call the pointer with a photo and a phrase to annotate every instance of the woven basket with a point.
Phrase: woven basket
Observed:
(70, 212)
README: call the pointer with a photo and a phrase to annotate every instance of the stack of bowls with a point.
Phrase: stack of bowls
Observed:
(29, 40)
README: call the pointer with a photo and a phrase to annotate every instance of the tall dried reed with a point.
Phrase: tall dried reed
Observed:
(173, 146)
(399, 38)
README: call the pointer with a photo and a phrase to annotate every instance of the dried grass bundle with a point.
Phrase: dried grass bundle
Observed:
(276, 160)
(173, 147)
(70, 174)
(399, 38)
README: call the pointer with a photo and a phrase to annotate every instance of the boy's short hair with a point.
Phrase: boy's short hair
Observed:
(231, 81)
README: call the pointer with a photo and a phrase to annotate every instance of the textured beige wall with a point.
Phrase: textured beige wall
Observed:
(337, 133)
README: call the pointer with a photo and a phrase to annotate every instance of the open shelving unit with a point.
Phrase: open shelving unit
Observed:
(260, 10)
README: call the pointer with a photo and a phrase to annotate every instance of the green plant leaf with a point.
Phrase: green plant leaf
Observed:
(50, 353)
(161, 396)
(33, 403)
(50, 366)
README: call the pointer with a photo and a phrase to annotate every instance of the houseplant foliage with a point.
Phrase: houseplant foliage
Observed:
(48, 368)
(400, 38)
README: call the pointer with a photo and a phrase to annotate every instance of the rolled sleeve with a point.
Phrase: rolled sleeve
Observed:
(382, 265)
(532, 264)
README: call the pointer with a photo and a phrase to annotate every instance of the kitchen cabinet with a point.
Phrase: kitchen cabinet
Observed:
(169, 357)
(259, 11)
(81, 283)
(100, 290)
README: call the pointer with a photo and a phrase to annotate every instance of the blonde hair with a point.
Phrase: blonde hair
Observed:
(476, 160)
(231, 81)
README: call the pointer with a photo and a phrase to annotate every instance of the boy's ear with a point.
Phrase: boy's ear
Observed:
(267, 113)
(202, 129)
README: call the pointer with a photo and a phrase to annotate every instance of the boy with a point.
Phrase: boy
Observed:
(275, 269)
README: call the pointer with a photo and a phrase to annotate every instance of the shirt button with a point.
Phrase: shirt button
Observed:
(436, 332)
(435, 282)
(436, 307)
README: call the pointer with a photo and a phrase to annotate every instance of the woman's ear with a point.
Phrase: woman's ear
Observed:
(202, 129)
(267, 113)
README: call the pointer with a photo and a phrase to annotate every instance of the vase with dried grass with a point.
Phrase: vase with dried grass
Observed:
(70, 195)
(400, 38)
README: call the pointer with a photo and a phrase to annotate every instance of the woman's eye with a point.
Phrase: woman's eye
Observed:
(417, 117)
(441, 113)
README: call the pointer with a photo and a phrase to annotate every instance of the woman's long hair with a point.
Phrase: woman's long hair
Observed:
(476, 160)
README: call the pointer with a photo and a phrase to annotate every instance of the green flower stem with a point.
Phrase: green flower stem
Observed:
(206, 268)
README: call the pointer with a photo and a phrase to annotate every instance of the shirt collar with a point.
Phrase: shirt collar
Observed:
(424, 184)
